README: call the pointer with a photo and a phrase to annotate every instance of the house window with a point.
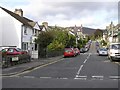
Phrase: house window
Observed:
(25, 30)
(36, 32)
(25, 46)
(33, 31)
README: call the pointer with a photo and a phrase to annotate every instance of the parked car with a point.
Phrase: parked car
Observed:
(102, 51)
(68, 52)
(77, 51)
(13, 51)
(82, 50)
(114, 51)
(13, 56)
(86, 48)
(97, 49)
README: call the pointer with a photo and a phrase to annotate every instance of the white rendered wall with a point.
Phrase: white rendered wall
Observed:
(0, 35)
(28, 36)
(11, 30)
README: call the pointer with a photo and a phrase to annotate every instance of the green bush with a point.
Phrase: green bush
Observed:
(55, 45)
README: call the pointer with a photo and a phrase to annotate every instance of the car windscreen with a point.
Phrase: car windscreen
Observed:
(115, 46)
(103, 49)
(18, 49)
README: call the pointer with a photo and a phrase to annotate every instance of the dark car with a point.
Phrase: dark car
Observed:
(82, 50)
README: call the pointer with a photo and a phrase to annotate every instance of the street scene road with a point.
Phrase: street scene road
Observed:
(59, 44)
(87, 70)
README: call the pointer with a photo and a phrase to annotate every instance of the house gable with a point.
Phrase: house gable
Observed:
(36, 26)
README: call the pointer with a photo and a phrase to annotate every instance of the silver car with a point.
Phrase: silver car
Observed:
(103, 51)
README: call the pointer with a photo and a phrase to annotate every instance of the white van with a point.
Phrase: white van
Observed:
(114, 51)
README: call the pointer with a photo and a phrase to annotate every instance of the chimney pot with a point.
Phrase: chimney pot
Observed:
(19, 12)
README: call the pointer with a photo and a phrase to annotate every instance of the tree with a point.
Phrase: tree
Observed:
(98, 33)
(44, 39)
(71, 41)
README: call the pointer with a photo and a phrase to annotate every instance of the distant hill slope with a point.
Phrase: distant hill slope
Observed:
(88, 31)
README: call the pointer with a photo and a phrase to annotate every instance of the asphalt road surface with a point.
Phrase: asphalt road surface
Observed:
(86, 70)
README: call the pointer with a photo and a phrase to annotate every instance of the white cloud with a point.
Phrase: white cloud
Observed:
(71, 12)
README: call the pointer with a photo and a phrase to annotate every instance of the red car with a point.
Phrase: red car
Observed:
(77, 51)
(13, 51)
(69, 52)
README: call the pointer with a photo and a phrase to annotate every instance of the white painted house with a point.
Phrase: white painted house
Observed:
(18, 31)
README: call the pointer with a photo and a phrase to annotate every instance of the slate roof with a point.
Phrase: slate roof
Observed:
(23, 20)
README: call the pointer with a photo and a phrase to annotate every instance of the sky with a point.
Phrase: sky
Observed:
(90, 13)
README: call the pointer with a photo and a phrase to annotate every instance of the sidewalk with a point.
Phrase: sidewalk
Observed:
(28, 66)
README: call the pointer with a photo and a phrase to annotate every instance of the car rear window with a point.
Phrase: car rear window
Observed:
(4, 50)
(68, 50)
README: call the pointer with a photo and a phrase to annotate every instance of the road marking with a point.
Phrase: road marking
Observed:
(61, 78)
(64, 78)
(81, 77)
(87, 58)
(82, 65)
(29, 77)
(97, 77)
(114, 77)
(46, 77)
(79, 70)
(106, 61)
(85, 61)
(9, 76)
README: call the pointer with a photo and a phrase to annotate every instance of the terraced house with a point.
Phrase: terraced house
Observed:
(18, 31)
(112, 32)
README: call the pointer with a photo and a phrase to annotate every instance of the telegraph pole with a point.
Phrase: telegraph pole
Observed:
(112, 27)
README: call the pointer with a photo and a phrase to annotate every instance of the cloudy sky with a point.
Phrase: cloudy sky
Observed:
(89, 13)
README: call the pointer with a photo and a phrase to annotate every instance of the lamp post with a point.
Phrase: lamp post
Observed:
(75, 32)
(111, 28)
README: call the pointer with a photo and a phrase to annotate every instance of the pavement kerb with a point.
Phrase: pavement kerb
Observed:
(30, 68)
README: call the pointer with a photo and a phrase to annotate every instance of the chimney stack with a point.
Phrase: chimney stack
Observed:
(45, 24)
(19, 12)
